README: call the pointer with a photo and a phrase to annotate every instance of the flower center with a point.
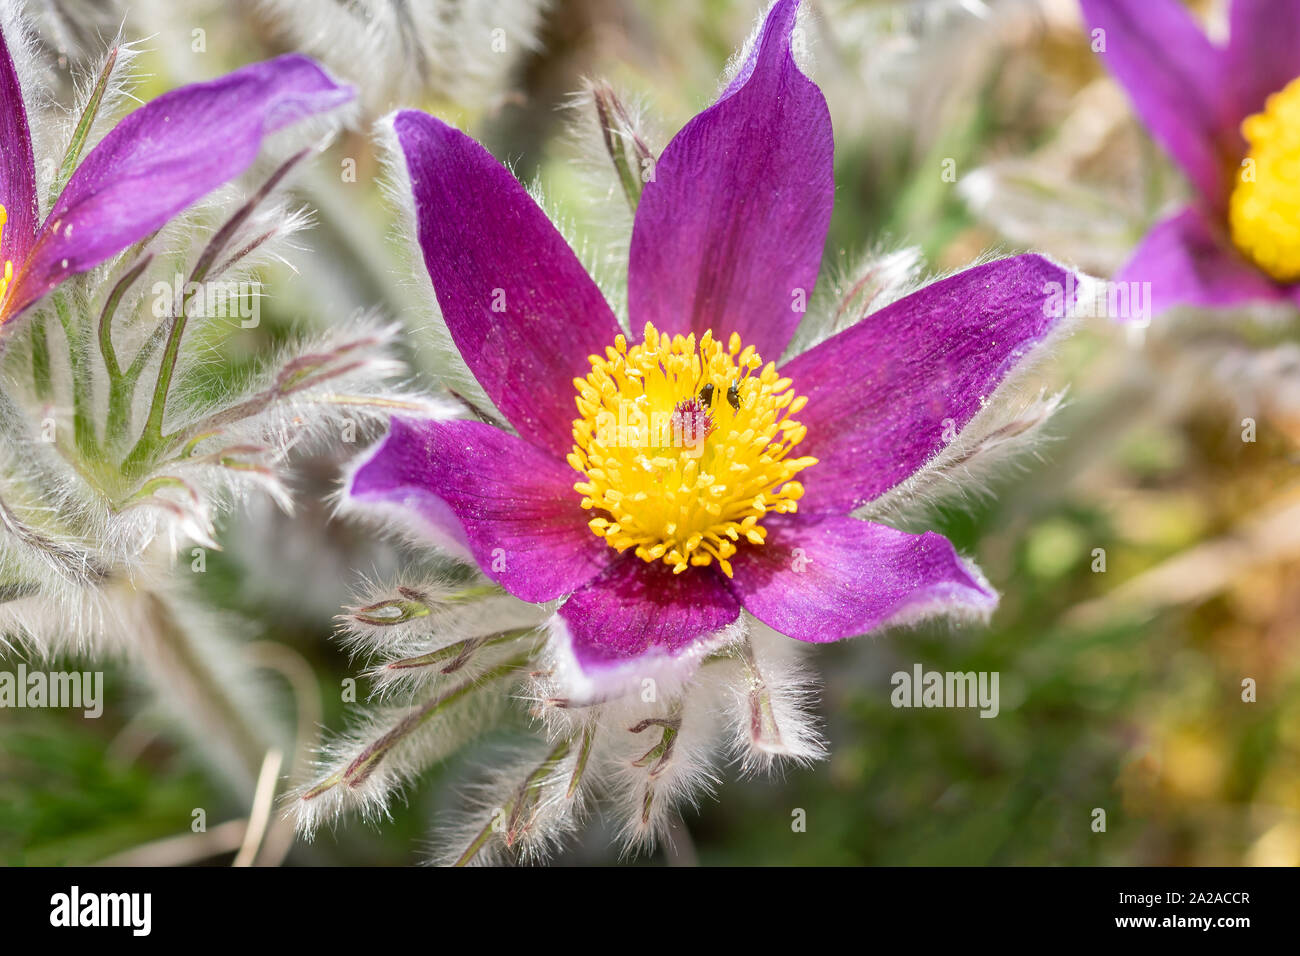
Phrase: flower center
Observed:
(9, 266)
(685, 448)
(1264, 210)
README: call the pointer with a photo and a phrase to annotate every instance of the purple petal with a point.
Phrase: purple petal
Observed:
(1189, 261)
(636, 610)
(887, 394)
(17, 166)
(512, 506)
(829, 578)
(1177, 80)
(1263, 52)
(518, 303)
(729, 235)
(164, 157)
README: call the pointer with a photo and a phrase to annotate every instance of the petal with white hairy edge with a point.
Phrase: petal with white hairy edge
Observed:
(519, 305)
(164, 157)
(640, 621)
(1190, 261)
(730, 231)
(17, 166)
(890, 393)
(509, 504)
(827, 579)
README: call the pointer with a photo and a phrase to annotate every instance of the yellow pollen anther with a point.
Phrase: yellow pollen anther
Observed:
(1264, 210)
(8, 273)
(684, 447)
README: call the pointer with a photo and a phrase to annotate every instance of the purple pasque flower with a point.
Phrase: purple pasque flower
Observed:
(155, 163)
(699, 477)
(1230, 117)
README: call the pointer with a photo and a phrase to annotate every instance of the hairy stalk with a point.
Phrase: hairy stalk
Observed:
(455, 656)
(121, 386)
(620, 138)
(151, 436)
(179, 666)
(79, 136)
(414, 603)
(763, 726)
(365, 763)
(580, 766)
(83, 425)
(523, 801)
(661, 754)
(42, 382)
(603, 97)
(71, 561)
(303, 372)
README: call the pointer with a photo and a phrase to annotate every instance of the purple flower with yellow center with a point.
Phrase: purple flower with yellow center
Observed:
(660, 483)
(1229, 116)
(154, 164)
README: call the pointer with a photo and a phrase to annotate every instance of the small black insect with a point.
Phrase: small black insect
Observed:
(733, 395)
(706, 396)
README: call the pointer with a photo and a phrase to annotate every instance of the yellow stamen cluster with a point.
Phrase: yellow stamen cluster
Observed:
(685, 446)
(8, 273)
(1264, 210)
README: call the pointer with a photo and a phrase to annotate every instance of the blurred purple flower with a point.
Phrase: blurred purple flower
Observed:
(661, 547)
(1230, 117)
(155, 163)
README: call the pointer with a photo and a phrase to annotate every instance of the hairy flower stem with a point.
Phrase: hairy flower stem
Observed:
(523, 801)
(368, 761)
(79, 135)
(413, 603)
(176, 663)
(83, 426)
(763, 728)
(659, 757)
(455, 656)
(304, 372)
(74, 563)
(41, 380)
(151, 437)
(121, 384)
(580, 767)
(620, 139)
